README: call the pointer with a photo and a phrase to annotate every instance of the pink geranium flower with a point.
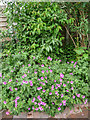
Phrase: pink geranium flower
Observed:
(60, 104)
(42, 65)
(0, 74)
(59, 108)
(43, 90)
(4, 102)
(61, 75)
(71, 82)
(71, 88)
(54, 80)
(50, 93)
(7, 113)
(4, 83)
(28, 108)
(29, 64)
(60, 80)
(10, 80)
(64, 85)
(50, 70)
(83, 96)
(61, 95)
(35, 72)
(42, 71)
(41, 78)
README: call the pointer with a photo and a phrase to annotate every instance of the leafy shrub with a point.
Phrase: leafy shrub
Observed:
(48, 86)
(36, 26)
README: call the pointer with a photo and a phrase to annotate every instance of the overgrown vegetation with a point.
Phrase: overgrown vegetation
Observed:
(31, 79)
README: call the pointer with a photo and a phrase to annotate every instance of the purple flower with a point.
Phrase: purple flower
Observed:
(46, 81)
(71, 82)
(28, 108)
(32, 107)
(47, 71)
(50, 93)
(39, 104)
(73, 97)
(33, 99)
(30, 81)
(42, 71)
(4, 102)
(51, 71)
(43, 90)
(67, 81)
(22, 76)
(11, 70)
(67, 62)
(56, 87)
(56, 92)
(31, 84)
(42, 65)
(23, 65)
(85, 101)
(60, 104)
(61, 83)
(46, 77)
(54, 80)
(53, 103)
(43, 83)
(59, 108)
(56, 59)
(60, 60)
(74, 66)
(83, 96)
(64, 85)
(61, 95)
(21, 83)
(71, 88)
(60, 80)
(49, 107)
(7, 113)
(67, 90)
(41, 78)
(39, 88)
(72, 62)
(78, 95)
(14, 68)
(15, 88)
(71, 73)
(4, 83)
(49, 67)
(25, 75)
(36, 108)
(64, 101)
(29, 64)
(75, 63)
(28, 71)
(34, 57)
(19, 52)
(17, 97)
(35, 72)
(48, 58)
(61, 75)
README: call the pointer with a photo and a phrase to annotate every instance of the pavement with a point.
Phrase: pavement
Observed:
(67, 114)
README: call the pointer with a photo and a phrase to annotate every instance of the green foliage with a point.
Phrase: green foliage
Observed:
(31, 76)
(36, 26)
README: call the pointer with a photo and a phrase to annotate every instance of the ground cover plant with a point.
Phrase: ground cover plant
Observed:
(40, 71)
(49, 86)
